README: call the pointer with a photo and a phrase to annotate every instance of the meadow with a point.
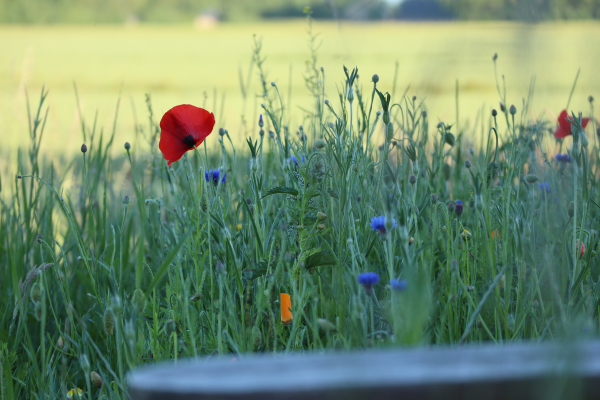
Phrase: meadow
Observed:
(373, 216)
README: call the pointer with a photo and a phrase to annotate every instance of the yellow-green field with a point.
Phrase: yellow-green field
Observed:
(178, 64)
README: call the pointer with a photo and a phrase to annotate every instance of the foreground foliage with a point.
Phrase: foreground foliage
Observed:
(368, 227)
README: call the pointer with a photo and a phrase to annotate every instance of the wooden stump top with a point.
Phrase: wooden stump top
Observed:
(523, 371)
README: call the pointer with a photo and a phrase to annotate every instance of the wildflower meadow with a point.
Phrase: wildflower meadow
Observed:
(372, 225)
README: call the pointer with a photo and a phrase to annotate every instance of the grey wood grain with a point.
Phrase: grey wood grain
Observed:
(525, 371)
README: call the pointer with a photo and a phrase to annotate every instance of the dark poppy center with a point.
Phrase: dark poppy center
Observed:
(189, 141)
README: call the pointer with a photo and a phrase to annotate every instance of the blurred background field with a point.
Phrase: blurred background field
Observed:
(190, 63)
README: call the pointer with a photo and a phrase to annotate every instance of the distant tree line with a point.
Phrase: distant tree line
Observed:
(167, 11)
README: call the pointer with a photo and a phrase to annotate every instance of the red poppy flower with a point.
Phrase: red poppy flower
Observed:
(182, 128)
(564, 126)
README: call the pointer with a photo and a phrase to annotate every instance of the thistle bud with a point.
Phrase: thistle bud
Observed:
(321, 216)
(450, 139)
(83, 148)
(96, 379)
(512, 110)
(412, 179)
(127, 146)
(320, 144)
(375, 78)
(109, 322)
(139, 301)
(36, 293)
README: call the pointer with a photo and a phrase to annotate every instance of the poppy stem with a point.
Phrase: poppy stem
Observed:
(572, 89)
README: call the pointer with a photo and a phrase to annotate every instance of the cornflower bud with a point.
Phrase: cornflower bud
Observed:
(126, 200)
(591, 99)
(375, 78)
(502, 107)
(434, 199)
(468, 164)
(424, 114)
(127, 146)
(412, 179)
(494, 112)
(512, 110)
(83, 148)
(451, 207)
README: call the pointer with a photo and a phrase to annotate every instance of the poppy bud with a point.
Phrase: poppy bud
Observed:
(109, 322)
(434, 199)
(36, 292)
(96, 379)
(85, 363)
(494, 113)
(502, 107)
(450, 139)
(257, 337)
(512, 110)
(127, 146)
(321, 216)
(386, 117)
(390, 131)
(451, 207)
(83, 148)
(126, 200)
(320, 144)
(459, 208)
(468, 164)
(531, 178)
(375, 78)
(412, 179)
(139, 301)
(446, 171)
(325, 325)
(571, 209)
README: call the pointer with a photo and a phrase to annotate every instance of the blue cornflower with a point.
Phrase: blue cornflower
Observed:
(368, 279)
(214, 175)
(545, 186)
(458, 207)
(378, 224)
(563, 158)
(295, 160)
(399, 285)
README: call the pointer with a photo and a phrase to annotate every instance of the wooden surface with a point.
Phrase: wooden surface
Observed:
(523, 371)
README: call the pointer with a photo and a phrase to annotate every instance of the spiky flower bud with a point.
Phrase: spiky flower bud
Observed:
(109, 322)
(36, 292)
(127, 146)
(412, 179)
(320, 144)
(83, 148)
(434, 199)
(451, 207)
(96, 379)
(139, 301)
(375, 78)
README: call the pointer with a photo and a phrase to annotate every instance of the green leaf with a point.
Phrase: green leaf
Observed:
(281, 189)
(320, 259)
(162, 270)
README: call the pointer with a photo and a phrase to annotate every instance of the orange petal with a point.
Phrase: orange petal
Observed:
(286, 308)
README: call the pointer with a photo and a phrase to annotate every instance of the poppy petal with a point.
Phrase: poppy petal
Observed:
(561, 133)
(176, 127)
(563, 122)
(584, 122)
